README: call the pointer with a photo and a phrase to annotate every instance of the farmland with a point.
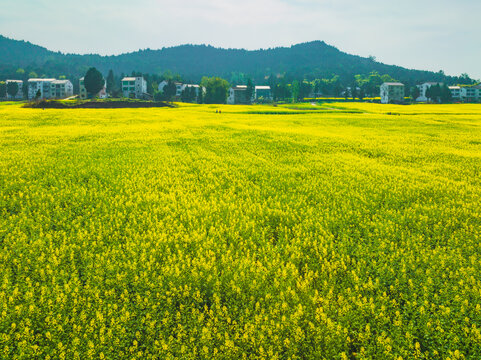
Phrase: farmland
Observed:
(341, 231)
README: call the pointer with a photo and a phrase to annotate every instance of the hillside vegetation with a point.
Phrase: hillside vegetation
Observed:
(344, 231)
(302, 61)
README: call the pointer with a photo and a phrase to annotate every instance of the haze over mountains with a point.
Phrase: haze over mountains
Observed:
(309, 60)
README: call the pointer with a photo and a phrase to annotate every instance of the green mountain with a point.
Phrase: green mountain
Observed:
(307, 60)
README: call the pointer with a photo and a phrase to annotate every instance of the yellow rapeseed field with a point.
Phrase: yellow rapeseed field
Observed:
(341, 231)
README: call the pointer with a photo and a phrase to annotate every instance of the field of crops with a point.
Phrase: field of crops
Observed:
(339, 231)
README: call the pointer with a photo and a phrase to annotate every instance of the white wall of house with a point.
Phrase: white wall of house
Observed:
(262, 91)
(455, 92)
(61, 89)
(469, 93)
(134, 86)
(236, 94)
(423, 88)
(392, 93)
(44, 85)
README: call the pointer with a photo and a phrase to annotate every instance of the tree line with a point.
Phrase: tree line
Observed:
(283, 88)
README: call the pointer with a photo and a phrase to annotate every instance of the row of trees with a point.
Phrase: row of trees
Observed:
(10, 89)
(216, 88)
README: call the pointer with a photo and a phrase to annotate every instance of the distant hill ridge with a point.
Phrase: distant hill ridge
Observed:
(309, 60)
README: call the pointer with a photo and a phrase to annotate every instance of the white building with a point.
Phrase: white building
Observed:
(423, 88)
(61, 89)
(455, 92)
(392, 93)
(134, 87)
(470, 93)
(190, 86)
(19, 94)
(102, 94)
(40, 86)
(238, 95)
(263, 92)
(180, 87)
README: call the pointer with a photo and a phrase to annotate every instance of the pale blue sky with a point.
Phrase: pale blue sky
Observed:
(422, 34)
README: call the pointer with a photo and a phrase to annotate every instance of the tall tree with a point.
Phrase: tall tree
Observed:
(110, 82)
(200, 96)
(415, 92)
(3, 89)
(170, 90)
(249, 90)
(93, 81)
(295, 89)
(12, 88)
(216, 90)
(446, 96)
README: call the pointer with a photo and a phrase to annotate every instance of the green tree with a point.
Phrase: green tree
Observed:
(93, 81)
(111, 82)
(32, 75)
(20, 72)
(12, 88)
(446, 96)
(169, 90)
(415, 92)
(354, 91)
(249, 90)
(305, 88)
(295, 90)
(361, 94)
(158, 96)
(435, 93)
(200, 96)
(3, 89)
(216, 90)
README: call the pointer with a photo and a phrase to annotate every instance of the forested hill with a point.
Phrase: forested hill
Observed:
(308, 60)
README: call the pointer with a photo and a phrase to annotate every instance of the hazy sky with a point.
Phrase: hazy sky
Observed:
(422, 34)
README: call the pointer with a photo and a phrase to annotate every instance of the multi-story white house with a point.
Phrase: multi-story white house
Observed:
(102, 94)
(49, 88)
(134, 87)
(262, 92)
(455, 92)
(423, 88)
(41, 86)
(19, 94)
(61, 89)
(470, 93)
(392, 93)
(197, 88)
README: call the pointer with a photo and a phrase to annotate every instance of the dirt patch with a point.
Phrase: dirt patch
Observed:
(52, 104)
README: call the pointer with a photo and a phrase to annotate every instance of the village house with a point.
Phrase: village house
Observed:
(392, 93)
(238, 95)
(262, 93)
(197, 88)
(423, 88)
(19, 95)
(455, 92)
(40, 86)
(102, 94)
(180, 88)
(470, 93)
(134, 87)
(61, 89)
